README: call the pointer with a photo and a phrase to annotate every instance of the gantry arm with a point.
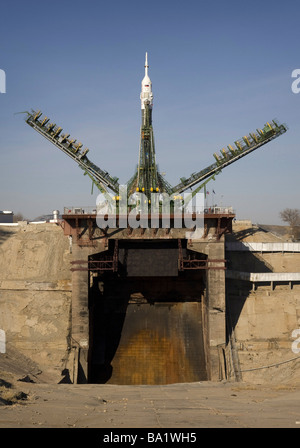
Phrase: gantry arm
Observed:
(230, 155)
(53, 133)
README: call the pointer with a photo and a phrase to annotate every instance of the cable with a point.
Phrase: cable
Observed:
(271, 365)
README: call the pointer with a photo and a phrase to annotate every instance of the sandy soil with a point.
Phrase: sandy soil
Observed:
(188, 405)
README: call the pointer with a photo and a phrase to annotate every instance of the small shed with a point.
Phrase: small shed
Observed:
(6, 217)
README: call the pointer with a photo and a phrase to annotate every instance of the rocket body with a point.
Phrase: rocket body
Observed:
(147, 171)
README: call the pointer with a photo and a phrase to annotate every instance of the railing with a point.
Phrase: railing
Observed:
(81, 210)
(93, 210)
(219, 210)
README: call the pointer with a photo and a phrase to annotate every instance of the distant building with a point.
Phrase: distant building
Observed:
(6, 217)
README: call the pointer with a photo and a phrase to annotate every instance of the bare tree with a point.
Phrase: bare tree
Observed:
(291, 216)
(19, 217)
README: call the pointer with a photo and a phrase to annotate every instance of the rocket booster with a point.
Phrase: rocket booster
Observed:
(146, 92)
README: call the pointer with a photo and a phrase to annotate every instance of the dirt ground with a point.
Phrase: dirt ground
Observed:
(189, 405)
(30, 398)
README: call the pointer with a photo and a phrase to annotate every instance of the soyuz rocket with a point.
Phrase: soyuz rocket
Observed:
(147, 176)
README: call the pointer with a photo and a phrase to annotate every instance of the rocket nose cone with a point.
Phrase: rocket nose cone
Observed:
(146, 80)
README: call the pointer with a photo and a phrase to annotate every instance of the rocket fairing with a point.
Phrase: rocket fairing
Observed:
(146, 93)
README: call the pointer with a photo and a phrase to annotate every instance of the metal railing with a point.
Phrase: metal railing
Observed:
(94, 209)
(81, 210)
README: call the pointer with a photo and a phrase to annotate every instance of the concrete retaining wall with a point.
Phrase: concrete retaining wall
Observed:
(262, 247)
(35, 294)
(263, 309)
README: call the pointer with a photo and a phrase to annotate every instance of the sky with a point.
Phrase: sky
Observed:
(219, 70)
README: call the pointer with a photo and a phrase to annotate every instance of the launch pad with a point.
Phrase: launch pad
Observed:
(138, 298)
(148, 302)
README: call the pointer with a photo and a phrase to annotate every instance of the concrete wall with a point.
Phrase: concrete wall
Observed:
(35, 293)
(264, 315)
(214, 303)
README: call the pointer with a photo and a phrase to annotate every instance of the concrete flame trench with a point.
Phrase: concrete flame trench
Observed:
(148, 305)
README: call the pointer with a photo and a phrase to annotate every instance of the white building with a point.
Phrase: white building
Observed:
(6, 216)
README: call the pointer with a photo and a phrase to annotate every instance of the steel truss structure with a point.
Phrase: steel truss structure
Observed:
(147, 178)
